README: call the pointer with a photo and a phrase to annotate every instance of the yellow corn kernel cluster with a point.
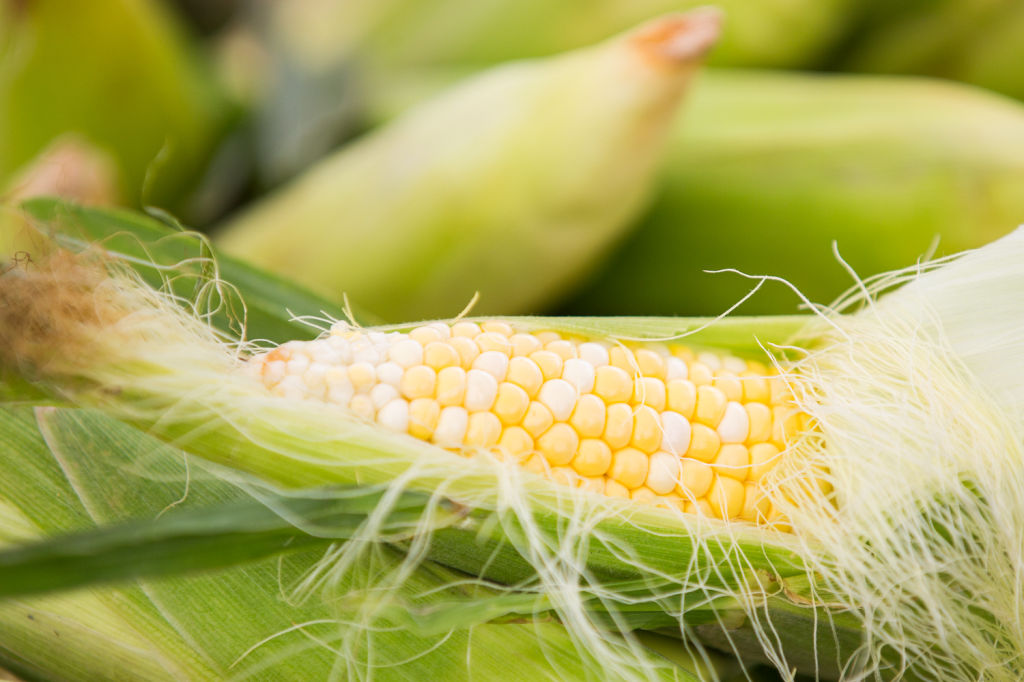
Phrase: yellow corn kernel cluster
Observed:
(655, 423)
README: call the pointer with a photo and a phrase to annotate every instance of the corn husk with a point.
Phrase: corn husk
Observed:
(509, 185)
(119, 74)
(905, 564)
(767, 170)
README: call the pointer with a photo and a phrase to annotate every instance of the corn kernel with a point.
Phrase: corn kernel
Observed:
(451, 386)
(629, 467)
(549, 363)
(423, 416)
(681, 397)
(467, 350)
(732, 460)
(593, 458)
(730, 385)
(559, 444)
(524, 344)
(663, 472)
(525, 373)
(589, 416)
(711, 404)
(763, 456)
(735, 425)
(700, 374)
(483, 430)
(726, 497)
(493, 341)
(759, 416)
(559, 396)
(497, 327)
(695, 479)
(438, 354)
(646, 430)
(566, 350)
(651, 364)
(481, 390)
(511, 403)
(613, 384)
(704, 443)
(622, 357)
(618, 426)
(613, 488)
(515, 442)
(466, 329)
(650, 392)
(538, 419)
(452, 424)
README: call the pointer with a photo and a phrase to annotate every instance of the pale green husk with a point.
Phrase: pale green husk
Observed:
(909, 566)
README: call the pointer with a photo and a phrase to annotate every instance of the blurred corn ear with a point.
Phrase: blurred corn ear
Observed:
(766, 170)
(510, 185)
(120, 75)
(981, 43)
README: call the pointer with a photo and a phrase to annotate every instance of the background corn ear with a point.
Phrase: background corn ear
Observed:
(510, 184)
(766, 170)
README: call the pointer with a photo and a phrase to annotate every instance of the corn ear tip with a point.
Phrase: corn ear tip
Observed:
(680, 38)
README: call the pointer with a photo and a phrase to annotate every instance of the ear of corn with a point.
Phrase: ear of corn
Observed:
(542, 163)
(811, 160)
(906, 407)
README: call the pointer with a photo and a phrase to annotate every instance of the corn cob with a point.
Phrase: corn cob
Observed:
(538, 163)
(654, 423)
(915, 402)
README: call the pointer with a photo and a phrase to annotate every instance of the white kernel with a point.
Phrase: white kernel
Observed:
(675, 433)
(481, 390)
(470, 329)
(493, 362)
(273, 372)
(675, 369)
(451, 427)
(734, 365)
(406, 353)
(444, 330)
(363, 351)
(559, 396)
(382, 394)
(298, 364)
(363, 375)
(315, 377)
(594, 353)
(735, 424)
(710, 360)
(362, 406)
(390, 373)
(340, 393)
(380, 338)
(291, 387)
(342, 347)
(663, 472)
(579, 373)
(394, 415)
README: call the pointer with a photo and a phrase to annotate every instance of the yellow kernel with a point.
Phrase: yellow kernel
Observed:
(704, 443)
(589, 416)
(726, 497)
(563, 349)
(525, 373)
(613, 384)
(497, 327)
(564, 476)
(784, 425)
(451, 386)
(467, 350)
(700, 374)
(618, 426)
(418, 382)
(425, 335)
(710, 407)
(423, 416)
(681, 397)
(729, 384)
(649, 391)
(756, 505)
(524, 344)
(613, 488)
(695, 479)
(644, 495)
(621, 357)
(646, 430)
(363, 375)
(515, 442)
(493, 341)
(629, 467)
(700, 508)
(672, 502)
(536, 464)
(683, 353)
(511, 404)
(755, 387)
(538, 419)
(550, 364)
(466, 329)
(559, 444)
(439, 354)
(760, 418)
(763, 456)
(732, 460)
(593, 484)
(651, 364)
(593, 458)
(483, 431)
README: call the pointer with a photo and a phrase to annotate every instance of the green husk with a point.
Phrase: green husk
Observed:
(509, 185)
(766, 171)
(916, 398)
(121, 75)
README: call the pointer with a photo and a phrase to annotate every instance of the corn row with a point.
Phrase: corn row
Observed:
(656, 423)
